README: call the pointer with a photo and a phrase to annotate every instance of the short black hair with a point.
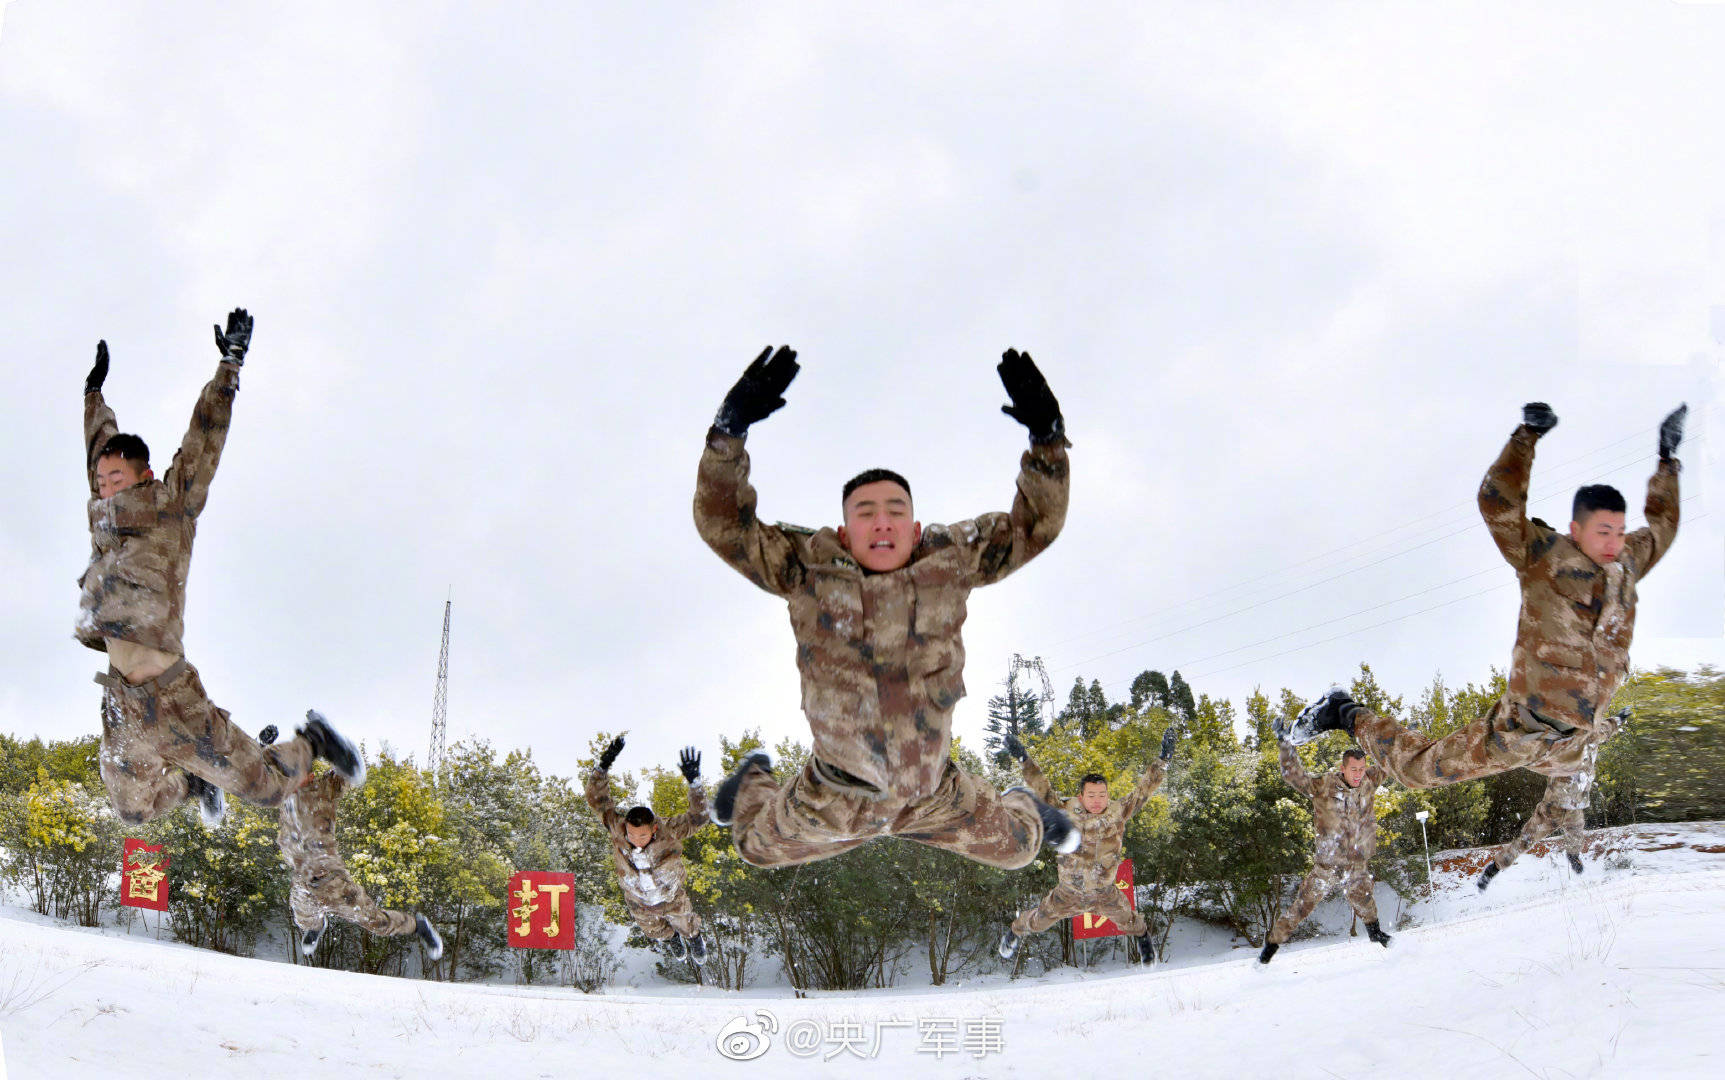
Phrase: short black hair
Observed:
(1092, 778)
(1596, 497)
(126, 448)
(869, 476)
(1353, 753)
(638, 816)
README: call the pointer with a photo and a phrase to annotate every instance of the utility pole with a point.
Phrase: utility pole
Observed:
(440, 703)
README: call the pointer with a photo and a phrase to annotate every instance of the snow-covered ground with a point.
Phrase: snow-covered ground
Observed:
(1617, 973)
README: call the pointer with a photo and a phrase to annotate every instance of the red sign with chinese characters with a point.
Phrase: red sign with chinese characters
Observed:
(541, 910)
(143, 876)
(1087, 925)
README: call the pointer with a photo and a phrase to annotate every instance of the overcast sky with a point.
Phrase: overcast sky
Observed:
(1292, 270)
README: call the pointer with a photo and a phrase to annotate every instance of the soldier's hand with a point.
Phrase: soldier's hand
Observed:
(689, 761)
(1280, 728)
(1168, 743)
(1671, 432)
(238, 337)
(1014, 747)
(1033, 404)
(1537, 416)
(98, 374)
(268, 735)
(759, 393)
(610, 754)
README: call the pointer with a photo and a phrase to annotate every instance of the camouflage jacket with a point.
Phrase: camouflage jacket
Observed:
(1577, 618)
(881, 655)
(1572, 791)
(1344, 819)
(141, 538)
(308, 820)
(651, 875)
(1091, 868)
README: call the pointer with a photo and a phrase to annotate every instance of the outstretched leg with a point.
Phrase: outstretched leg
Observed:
(968, 816)
(1501, 740)
(804, 820)
(1539, 824)
(325, 888)
(1321, 882)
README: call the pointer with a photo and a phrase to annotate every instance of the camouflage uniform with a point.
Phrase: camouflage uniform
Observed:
(882, 664)
(1563, 806)
(133, 600)
(1345, 825)
(319, 883)
(1571, 645)
(652, 877)
(1087, 881)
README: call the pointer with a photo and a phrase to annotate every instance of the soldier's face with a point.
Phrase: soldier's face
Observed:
(640, 835)
(879, 531)
(1095, 798)
(1353, 771)
(1600, 537)
(115, 474)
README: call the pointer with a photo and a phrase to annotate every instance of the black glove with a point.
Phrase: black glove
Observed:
(1280, 728)
(759, 393)
(690, 762)
(1168, 743)
(98, 374)
(610, 754)
(1033, 404)
(1670, 431)
(1014, 747)
(268, 735)
(1538, 416)
(238, 338)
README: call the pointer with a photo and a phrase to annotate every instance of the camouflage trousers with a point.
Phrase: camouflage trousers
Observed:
(158, 731)
(1507, 737)
(1355, 881)
(813, 816)
(660, 921)
(1066, 900)
(322, 887)
(1547, 818)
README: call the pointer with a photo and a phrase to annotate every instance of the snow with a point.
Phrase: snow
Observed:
(1613, 973)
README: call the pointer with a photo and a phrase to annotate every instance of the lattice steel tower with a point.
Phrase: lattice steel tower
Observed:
(440, 704)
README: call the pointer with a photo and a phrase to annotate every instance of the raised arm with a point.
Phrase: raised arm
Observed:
(99, 423)
(1292, 771)
(999, 543)
(1038, 783)
(690, 821)
(200, 451)
(1649, 543)
(725, 501)
(1152, 777)
(598, 789)
(1503, 492)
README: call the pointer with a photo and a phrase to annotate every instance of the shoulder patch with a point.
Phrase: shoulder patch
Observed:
(1541, 524)
(800, 530)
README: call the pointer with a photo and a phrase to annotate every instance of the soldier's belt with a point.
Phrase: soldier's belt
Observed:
(1534, 721)
(832, 774)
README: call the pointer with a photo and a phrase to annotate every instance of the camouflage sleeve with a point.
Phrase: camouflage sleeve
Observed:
(99, 427)
(599, 798)
(201, 450)
(1000, 543)
(1292, 771)
(689, 822)
(725, 518)
(1146, 787)
(1503, 499)
(1038, 783)
(1649, 543)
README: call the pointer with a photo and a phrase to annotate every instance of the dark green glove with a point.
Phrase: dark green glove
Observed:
(1671, 432)
(1014, 747)
(1033, 404)
(690, 763)
(238, 337)
(98, 374)
(759, 393)
(1537, 415)
(610, 754)
(268, 735)
(1168, 743)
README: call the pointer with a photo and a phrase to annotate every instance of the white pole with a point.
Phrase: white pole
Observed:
(1422, 815)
